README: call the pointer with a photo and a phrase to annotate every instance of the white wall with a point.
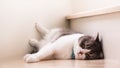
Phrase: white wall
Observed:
(87, 5)
(107, 25)
(17, 18)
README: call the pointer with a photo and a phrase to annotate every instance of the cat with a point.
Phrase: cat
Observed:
(64, 44)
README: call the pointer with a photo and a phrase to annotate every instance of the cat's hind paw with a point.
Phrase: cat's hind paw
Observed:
(31, 58)
(33, 42)
(41, 29)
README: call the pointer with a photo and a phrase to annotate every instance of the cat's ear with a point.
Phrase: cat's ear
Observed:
(97, 38)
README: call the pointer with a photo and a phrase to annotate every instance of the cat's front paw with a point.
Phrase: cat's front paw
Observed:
(31, 58)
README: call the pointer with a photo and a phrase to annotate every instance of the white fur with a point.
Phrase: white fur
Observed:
(59, 49)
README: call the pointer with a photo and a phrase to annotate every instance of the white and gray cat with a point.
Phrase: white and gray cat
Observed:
(64, 44)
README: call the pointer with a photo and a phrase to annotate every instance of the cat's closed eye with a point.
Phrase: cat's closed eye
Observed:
(87, 45)
(90, 55)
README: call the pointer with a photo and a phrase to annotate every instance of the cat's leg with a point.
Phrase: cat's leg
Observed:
(41, 29)
(34, 43)
(44, 53)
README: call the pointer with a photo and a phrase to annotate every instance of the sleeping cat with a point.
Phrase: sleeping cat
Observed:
(64, 44)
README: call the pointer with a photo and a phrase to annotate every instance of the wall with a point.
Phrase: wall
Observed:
(17, 18)
(87, 5)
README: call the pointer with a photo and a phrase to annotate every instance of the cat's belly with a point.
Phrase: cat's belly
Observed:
(64, 45)
(63, 52)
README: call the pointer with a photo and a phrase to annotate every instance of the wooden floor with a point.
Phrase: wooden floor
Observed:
(62, 64)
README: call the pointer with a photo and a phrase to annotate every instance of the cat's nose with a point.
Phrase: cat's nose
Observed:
(81, 52)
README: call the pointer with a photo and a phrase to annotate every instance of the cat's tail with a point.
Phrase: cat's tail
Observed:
(41, 29)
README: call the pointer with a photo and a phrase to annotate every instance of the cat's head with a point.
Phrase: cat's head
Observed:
(88, 48)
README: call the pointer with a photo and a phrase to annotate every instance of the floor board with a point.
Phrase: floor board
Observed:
(62, 64)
